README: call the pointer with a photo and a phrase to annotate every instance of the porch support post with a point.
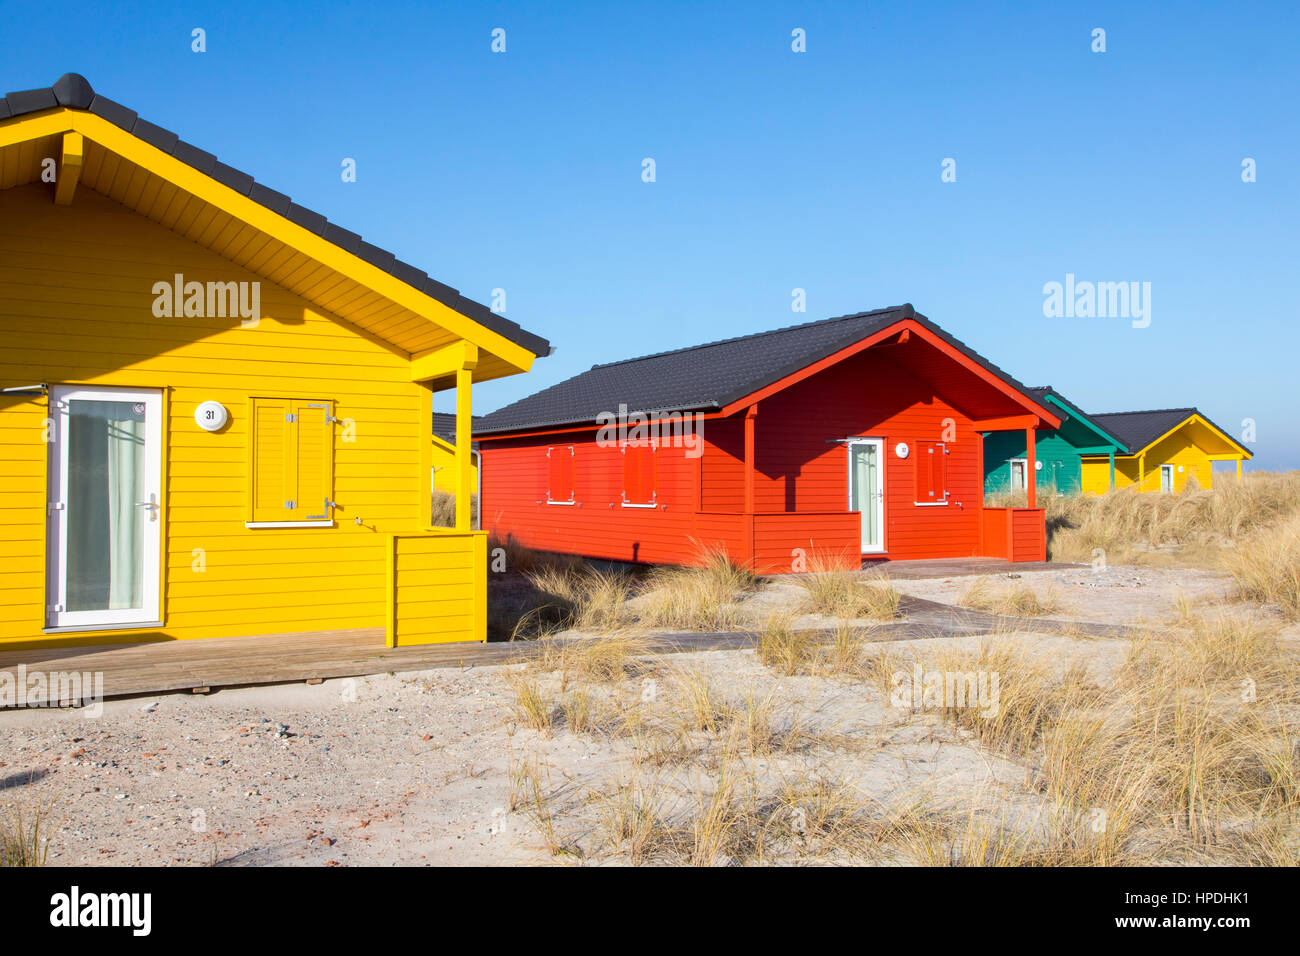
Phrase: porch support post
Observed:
(1238, 469)
(464, 438)
(751, 414)
(1112, 469)
(1031, 470)
(1142, 470)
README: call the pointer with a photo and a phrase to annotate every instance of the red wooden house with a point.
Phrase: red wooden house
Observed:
(856, 437)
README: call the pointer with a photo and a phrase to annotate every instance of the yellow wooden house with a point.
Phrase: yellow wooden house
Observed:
(1168, 448)
(215, 407)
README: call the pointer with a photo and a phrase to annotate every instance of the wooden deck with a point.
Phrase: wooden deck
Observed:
(131, 670)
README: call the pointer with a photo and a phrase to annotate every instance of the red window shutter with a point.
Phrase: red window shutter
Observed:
(559, 485)
(939, 472)
(639, 474)
(931, 472)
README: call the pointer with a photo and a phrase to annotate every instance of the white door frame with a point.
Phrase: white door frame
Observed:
(1011, 469)
(880, 492)
(56, 617)
(1171, 478)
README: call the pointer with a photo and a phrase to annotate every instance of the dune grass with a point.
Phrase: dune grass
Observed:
(1011, 598)
(24, 835)
(1193, 527)
(1266, 567)
(836, 592)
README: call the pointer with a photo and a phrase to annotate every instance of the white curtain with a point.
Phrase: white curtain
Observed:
(106, 478)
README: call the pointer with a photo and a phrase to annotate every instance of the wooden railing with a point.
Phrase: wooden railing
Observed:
(437, 587)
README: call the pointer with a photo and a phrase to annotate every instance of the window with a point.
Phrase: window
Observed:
(559, 481)
(931, 473)
(291, 456)
(639, 475)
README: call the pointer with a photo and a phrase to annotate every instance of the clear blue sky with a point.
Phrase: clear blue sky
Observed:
(775, 170)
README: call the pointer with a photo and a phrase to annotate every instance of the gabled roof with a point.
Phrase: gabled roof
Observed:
(73, 92)
(708, 376)
(1045, 393)
(1140, 429)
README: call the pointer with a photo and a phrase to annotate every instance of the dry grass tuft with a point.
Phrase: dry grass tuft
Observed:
(1012, 599)
(633, 818)
(783, 647)
(699, 598)
(533, 707)
(575, 596)
(835, 592)
(701, 707)
(24, 836)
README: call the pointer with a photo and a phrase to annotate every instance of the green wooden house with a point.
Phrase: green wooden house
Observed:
(1058, 451)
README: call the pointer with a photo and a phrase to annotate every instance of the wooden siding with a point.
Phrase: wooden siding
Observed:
(76, 307)
(438, 588)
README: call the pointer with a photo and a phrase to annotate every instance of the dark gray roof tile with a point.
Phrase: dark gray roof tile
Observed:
(164, 139)
(31, 101)
(408, 273)
(204, 162)
(72, 90)
(342, 237)
(380, 258)
(241, 183)
(276, 202)
(312, 221)
(114, 112)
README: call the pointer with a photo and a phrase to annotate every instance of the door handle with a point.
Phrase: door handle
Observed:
(152, 505)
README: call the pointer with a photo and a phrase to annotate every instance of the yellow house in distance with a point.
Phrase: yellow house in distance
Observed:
(214, 404)
(1168, 448)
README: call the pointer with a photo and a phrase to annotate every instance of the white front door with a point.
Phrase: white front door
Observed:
(1019, 469)
(104, 538)
(1166, 479)
(867, 490)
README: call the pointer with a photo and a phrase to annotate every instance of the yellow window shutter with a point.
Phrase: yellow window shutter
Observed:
(291, 460)
(271, 483)
(314, 460)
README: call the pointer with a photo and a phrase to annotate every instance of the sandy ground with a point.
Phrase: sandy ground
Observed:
(1114, 595)
(421, 768)
(432, 767)
(1111, 595)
